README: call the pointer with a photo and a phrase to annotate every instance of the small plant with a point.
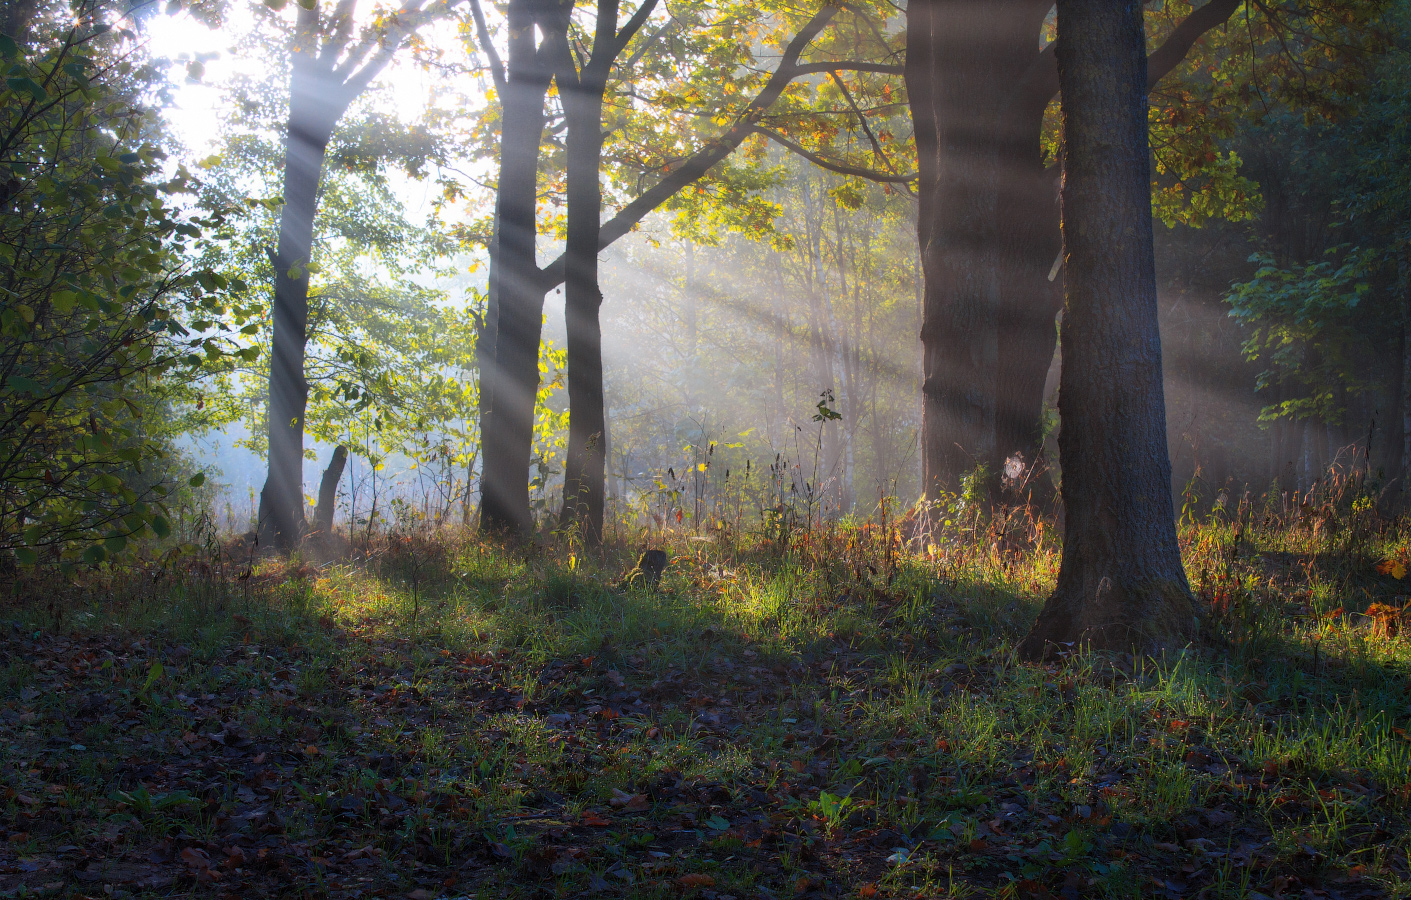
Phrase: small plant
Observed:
(832, 809)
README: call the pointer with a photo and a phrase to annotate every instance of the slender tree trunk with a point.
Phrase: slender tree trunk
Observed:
(507, 413)
(312, 115)
(585, 472)
(1121, 584)
(585, 466)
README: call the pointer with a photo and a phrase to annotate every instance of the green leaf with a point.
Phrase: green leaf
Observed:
(275, 5)
(115, 544)
(8, 48)
(308, 4)
(24, 555)
(94, 555)
(198, 479)
(160, 527)
(28, 86)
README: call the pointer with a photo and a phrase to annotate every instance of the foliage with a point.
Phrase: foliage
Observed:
(1317, 314)
(103, 318)
(1304, 324)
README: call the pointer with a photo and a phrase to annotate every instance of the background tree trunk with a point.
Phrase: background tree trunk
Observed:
(1121, 585)
(585, 464)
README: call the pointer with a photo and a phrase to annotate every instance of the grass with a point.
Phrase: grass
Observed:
(447, 718)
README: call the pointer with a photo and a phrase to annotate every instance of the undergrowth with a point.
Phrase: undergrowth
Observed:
(836, 714)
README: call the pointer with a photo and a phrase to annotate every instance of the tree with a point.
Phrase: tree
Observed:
(331, 65)
(1121, 584)
(507, 399)
(103, 321)
(993, 280)
(582, 95)
(509, 363)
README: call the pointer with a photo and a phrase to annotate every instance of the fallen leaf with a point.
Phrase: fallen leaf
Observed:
(696, 880)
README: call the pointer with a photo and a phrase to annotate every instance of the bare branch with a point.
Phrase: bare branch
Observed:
(497, 68)
(866, 129)
(823, 68)
(831, 166)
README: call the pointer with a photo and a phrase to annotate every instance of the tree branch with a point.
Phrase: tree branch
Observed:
(840, 168)
(822, 68)
(866, 129)
(629, 30)
(1039, 85)
(497, 68)
(646, 45)
(701, 162)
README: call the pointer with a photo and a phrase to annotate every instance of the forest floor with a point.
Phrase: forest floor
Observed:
(443, 718)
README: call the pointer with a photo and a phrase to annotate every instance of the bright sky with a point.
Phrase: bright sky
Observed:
(200, 108)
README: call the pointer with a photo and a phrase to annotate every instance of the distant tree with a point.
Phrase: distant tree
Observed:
(1121, 584)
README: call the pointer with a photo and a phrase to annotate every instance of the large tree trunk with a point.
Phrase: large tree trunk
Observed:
(973, 53)
(1121, 585)
(989, 304)
(314, 107)
(514, 329)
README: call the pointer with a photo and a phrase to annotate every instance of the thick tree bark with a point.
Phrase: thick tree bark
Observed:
(507, 410)
(1121, 585)
(989, 336)
(1029, 301)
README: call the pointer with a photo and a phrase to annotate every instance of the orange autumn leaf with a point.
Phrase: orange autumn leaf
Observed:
(696, 880)
(1393, 567)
